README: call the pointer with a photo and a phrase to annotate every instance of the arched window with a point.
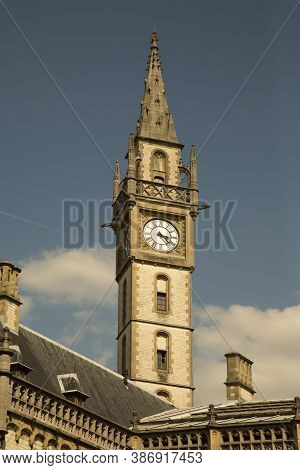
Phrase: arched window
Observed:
(162, 294)
(124, 302)
(164, 395)
(52, 445)
(184, 179)
(162, 349)
(124, 361)
(159, 167)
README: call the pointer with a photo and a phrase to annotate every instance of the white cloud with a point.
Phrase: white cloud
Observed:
(27, 307)
(270, 338)
(75, 276)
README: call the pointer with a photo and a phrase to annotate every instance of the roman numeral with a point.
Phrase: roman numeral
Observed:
(170, 245)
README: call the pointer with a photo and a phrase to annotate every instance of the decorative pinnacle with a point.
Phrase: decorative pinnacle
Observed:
(117, 173)
(193, 155)
(131, 141)
(212, 414)
(5, 341)
(154, 40)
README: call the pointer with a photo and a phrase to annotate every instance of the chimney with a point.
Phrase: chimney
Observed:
(9, 296)
(239, 378)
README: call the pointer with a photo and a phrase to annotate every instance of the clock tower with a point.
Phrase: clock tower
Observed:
(155, 207)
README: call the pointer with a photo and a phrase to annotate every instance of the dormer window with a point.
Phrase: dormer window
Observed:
(17, 366)
(71, 388)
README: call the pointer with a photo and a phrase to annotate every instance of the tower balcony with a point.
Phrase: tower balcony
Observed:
(162, 191)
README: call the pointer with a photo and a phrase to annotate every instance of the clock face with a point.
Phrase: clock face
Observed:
(161, 235)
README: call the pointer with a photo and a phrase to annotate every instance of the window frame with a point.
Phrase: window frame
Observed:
(162, 277)
(159, 351)
(162, 363)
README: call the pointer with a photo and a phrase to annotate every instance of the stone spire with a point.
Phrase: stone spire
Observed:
(155, 120)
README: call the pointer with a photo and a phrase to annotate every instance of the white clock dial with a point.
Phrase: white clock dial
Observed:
(161, 235)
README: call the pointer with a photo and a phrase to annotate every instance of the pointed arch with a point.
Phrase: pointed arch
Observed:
(159, 166)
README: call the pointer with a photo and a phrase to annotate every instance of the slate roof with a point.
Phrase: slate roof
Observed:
(109, 398)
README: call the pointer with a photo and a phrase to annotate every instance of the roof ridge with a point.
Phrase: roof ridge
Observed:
(72, 351)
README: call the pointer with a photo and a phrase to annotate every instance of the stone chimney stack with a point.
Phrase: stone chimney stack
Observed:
(239, 378)
(9, 296)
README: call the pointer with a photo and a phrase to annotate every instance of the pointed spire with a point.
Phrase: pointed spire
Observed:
(155, 120)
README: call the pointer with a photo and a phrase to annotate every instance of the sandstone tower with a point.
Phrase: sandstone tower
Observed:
(155, 207)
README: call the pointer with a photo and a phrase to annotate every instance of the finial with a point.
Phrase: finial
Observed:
(154, 40)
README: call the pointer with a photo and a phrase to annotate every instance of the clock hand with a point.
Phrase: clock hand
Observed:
(164, 236)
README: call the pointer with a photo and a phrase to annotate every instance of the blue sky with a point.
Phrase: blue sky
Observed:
(97, 52)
